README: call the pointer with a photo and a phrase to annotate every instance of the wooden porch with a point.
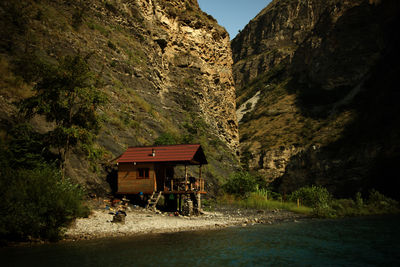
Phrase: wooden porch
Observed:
(184, 186)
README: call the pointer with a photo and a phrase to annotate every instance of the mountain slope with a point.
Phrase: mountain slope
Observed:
(164, 66)
(325, 75)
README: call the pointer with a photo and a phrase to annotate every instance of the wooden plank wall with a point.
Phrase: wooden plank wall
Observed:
(128, 182)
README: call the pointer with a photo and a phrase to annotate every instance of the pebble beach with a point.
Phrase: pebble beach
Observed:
(140, 221)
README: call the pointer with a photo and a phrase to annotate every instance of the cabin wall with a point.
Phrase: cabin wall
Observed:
(130, 183)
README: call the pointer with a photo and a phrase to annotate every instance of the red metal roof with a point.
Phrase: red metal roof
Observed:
(189, 154)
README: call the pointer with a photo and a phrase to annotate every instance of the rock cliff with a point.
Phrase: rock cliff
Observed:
(165, 67)
(324, 76)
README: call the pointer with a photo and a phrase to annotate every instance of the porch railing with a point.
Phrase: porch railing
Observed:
(178, 184)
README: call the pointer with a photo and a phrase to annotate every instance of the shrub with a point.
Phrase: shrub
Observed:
(345, 207)
(26, 147)
(166, 139)
(37, 203)
(312, 196)
(380, 201)
(316, 197)
(359, 201)
(240, 184)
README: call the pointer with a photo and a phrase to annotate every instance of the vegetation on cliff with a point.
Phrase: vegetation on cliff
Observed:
(155, 73)
(37, 200)
(66, 96)
(325, 113)
(150, 63)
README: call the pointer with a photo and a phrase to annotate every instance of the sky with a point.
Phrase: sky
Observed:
(233, 14)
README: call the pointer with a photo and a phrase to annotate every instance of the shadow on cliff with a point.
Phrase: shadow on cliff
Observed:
(326, 75)
(368, 152)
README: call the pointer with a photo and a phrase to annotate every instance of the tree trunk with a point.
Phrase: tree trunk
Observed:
(64, 159)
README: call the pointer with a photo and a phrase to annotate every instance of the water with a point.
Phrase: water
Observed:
(344, 242)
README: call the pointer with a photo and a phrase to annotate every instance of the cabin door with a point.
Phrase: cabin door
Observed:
(160, 178)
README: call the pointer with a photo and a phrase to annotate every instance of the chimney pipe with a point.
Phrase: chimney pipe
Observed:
(153, 152)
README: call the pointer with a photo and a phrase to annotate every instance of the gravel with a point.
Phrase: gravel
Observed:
(141, 221)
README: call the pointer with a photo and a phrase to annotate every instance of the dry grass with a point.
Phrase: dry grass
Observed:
(259, 201)
(279, 122)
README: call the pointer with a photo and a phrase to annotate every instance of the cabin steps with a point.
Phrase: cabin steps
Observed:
(153, 200)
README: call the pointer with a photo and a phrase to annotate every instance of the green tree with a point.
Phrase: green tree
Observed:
(36, 203)
(316, 197)
(67, 96)
(27, 148)
(241, 184)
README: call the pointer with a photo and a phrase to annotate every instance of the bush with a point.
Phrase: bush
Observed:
(379, 201)
(37, 203)
(240, 184)
(166, 139)
(316, 197)
(312, 196)
(345, 207)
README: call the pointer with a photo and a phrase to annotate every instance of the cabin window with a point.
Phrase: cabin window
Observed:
(143, 173)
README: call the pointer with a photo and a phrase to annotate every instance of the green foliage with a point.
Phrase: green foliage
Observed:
(345, 207)
(136, 57)
(240, 184)
(314, 196)
(36, 203)
(66, 95)
(105, 31)
(317, 201)
(376, 203)
(245, 158)
(380, 201)
(195, 128)
(27, 147)
(325, 206)
(166, 139)
(359, 200)
(94, 154)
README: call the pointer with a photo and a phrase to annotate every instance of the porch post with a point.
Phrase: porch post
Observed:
(200, 171)
(198, 202)
(186, 178)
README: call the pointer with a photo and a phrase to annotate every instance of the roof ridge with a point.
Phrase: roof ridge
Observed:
(164, 145)
(166, 153)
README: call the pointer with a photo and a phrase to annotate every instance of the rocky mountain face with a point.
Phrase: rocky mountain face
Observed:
(165, 66)
(316, 83)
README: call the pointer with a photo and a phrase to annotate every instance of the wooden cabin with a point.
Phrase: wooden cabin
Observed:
(150, 171)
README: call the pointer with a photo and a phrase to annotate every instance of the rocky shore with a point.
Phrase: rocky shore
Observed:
(140, 221)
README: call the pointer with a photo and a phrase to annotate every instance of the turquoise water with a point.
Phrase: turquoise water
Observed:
(344, 242)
